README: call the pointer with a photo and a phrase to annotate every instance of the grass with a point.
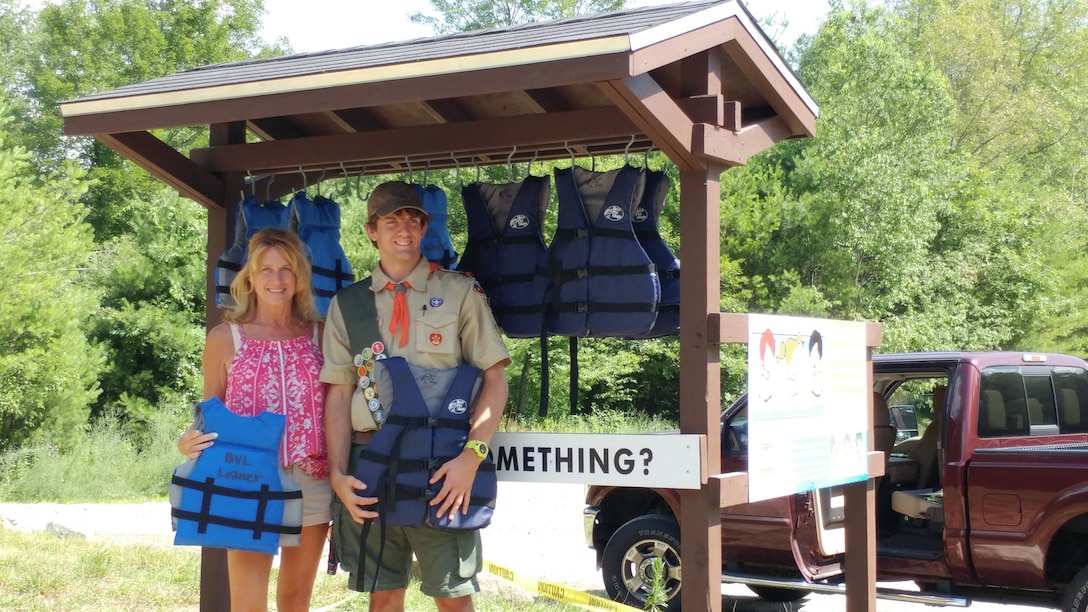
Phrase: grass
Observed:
(41, 571)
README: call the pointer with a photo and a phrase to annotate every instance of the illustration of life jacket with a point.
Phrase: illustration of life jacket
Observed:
(505, 247)
(318, 223)
(600, 282)
(426, 425)
(252, 217)
(436, 245)
(236, 495)
(646, 221)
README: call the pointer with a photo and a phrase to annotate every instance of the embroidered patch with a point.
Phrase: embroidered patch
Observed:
(370, 366)
(436, 339)
(436, 302)
(362, 370)
(458, 406)
(477, 288)
(377, 348)
(366, 354)
(519, 222)
(368, 393)
(613, 213)
(640, 215)
(364, 382)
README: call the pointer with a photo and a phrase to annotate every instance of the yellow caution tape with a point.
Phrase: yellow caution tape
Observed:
(556, 591)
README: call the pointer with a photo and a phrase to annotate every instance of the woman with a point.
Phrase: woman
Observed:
(267, 356)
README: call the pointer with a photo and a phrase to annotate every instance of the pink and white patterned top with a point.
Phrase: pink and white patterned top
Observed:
(281, 376)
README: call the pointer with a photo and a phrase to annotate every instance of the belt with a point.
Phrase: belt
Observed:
(362, 437)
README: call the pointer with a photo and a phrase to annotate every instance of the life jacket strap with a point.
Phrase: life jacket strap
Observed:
(258, 526)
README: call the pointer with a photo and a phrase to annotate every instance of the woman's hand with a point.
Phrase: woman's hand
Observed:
(193, 442)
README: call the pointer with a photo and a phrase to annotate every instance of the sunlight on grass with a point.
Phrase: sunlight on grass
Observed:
(40, 571)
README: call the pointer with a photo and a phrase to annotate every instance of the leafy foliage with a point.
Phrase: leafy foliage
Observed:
(469, 15)
(48, 368)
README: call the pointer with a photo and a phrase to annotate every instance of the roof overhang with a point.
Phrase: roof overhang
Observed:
(698, 80)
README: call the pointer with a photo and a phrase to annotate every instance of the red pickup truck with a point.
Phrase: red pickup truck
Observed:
(989, 503)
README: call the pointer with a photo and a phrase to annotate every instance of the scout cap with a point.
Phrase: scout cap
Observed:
(391, 196)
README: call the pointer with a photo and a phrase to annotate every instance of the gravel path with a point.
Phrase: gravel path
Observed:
(537, 532)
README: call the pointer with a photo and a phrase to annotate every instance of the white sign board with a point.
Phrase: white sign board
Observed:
(807, 403)
(634, 460)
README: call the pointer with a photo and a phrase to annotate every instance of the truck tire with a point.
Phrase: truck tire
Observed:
(778, 594)
(1076, 593)
(626, 564)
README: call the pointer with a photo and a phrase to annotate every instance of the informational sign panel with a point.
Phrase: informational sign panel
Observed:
(634, 460)
(807, 402)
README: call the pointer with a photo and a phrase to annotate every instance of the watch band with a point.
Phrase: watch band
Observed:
(479, 447)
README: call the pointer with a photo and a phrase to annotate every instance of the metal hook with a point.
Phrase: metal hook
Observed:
(426, 172)
(457, 166)
(477, 168)
(529, 166)
(566, 145)
(510, 164)
(252, 185)
(268, 188)
(627, 150)
(319, 181)
(305, 185)
(411, 176)
(646, 156)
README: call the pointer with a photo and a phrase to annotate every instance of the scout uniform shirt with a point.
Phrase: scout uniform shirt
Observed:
(449, 323)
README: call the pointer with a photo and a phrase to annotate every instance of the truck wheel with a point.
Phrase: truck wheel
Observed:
(1076, 593)
(778, 594)
(627, 562)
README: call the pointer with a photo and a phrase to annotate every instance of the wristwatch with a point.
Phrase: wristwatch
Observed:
(479, 447)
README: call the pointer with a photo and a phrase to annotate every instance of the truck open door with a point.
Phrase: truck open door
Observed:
(818, 532)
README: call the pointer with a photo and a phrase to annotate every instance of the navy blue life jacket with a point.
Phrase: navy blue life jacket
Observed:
(646, 219)
(436, 245)
(252, 217)
(319, 228)
(413, 442)
(505, 247)
(600, 281)
(235, 495)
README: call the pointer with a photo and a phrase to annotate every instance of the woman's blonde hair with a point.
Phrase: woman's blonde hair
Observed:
(303, 307)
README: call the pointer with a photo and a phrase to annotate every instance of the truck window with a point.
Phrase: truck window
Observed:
(1003, 408)
(1035, 400)
(1071, 389)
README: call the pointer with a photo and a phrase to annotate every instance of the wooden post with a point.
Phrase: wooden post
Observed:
(214, 581)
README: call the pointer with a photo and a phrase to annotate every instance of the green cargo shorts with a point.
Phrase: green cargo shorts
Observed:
(448, 560)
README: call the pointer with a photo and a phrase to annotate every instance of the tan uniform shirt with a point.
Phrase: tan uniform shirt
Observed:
(449, 323)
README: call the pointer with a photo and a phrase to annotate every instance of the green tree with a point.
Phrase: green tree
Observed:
(468, 15)
(149, 253)
(48, 368)
(879, 217)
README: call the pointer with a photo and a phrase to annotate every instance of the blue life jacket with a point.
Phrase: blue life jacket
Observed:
(319, 228)
(646, 219)
(413, 442)
(235, 495)
(252, 217)
(436, 245)
(600, 281)
(505, 247)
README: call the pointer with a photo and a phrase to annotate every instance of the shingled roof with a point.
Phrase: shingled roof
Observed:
(590, 85)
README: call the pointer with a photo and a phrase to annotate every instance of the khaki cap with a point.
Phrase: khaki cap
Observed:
(391, 196)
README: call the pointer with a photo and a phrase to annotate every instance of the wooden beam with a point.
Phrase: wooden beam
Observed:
(167, 165)
(727, 328)
(336, 98)
(768, 81)
(732, 489)
(500, 134)
(657, 115)
(736, 148)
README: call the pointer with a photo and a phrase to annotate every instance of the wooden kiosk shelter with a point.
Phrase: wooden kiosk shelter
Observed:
(697, 80)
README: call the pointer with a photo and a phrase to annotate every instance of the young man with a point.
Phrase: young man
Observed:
(433, 318)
